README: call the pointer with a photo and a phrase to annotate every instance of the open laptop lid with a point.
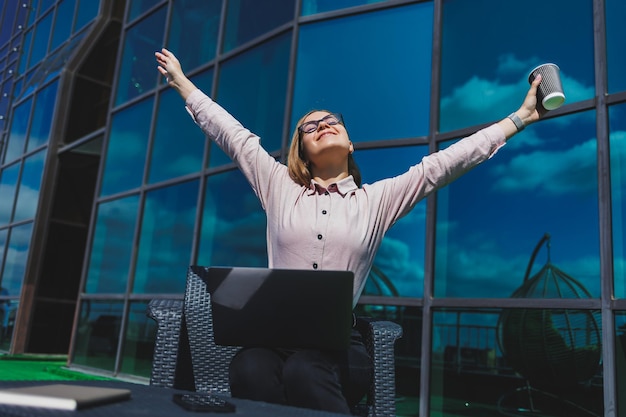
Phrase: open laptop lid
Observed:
(279, 307)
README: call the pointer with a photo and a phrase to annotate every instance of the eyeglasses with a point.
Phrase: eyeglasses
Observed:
(311, 126)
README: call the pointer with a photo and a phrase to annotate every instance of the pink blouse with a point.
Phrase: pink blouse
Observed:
(340, 227)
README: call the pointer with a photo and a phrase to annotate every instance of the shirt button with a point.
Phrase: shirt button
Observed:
(314, 265)
(326, 193)
(319, 237)
(324, 212)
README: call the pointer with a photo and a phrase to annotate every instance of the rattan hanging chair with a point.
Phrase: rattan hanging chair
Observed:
(553, 349)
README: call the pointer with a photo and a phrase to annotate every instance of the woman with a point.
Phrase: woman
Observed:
(319, 217)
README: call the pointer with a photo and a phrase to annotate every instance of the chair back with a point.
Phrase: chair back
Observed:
(210, 362)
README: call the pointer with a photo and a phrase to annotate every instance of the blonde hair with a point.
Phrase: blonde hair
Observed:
(296, 162)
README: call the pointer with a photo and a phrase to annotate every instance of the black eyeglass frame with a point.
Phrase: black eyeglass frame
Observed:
(337, 116)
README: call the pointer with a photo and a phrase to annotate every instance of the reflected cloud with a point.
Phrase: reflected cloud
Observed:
(406, 274)
(478, 96)
(479, 271)
(568, 171)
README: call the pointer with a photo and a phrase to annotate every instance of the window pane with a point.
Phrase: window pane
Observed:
(166, 238)
(7, 325)
(174, 125)
(193, 31)
(6, 24)
(87, 11)
(138, 72)
(353, 84)
(483, 81)
(490, 220)
(490, 362)
(137, 7)
(19, 127)
(126, 153)
(398, 268)
(139, 342)
(615, 30)
(112, 246)
(42, 117)
(18, 247)
(261, 76)
(3, 242)
(98, 334)
(620, 360)
(247, 19)
(8, 188)
(233, 223)
(25, 51)
(319, 6)
(28, 191)
(40, 44)
(63, 23)
(617, 125)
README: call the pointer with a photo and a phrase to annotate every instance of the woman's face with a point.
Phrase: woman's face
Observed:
(324, 137)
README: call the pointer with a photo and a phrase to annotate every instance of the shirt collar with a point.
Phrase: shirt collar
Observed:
(343, 186)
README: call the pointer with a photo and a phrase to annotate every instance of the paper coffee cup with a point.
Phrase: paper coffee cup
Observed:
(550, 91)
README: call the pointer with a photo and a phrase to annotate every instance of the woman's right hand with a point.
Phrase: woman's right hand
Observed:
(170, 68)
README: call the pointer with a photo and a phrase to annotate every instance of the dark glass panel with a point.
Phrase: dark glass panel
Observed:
(40, 42)
(42, 117)
(32, 11)
(87, 11)
(138, 72)
(486, 80)
(233, 223)
(490, 220)
(30, 183)
(351, 83)
(260, 75)
(63, 22)
(178, 144)
(97, 334)
(44, 5)
(8, 315)
(310, 7)
(139, 342)
(137, 7)
(25, 51)
(126, 152)
(617, 126)
(193, 31)
(247, 19)
(18, 247)
(398, 268)
(3, 242)
(112, 246)
(620, 361)
(8, 19)
(615, 33)
(8, 189)
(166, 239)
(492, 362)
(19, 127)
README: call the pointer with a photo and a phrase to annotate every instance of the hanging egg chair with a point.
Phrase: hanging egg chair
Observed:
(553, 349)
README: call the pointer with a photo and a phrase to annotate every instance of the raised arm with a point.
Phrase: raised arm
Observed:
(170, 68)
(527, 112)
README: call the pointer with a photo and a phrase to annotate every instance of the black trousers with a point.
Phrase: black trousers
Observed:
(322, 380)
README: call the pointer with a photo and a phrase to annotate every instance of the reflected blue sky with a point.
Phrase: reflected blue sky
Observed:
(378, 79)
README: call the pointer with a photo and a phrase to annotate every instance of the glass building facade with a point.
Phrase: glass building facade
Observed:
(509, 283)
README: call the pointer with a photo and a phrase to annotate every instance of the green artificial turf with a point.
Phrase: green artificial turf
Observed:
(39, 368)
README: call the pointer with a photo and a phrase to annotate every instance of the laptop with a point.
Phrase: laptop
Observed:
(280, 308)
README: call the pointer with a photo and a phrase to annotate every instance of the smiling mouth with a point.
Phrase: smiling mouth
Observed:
(327, 132)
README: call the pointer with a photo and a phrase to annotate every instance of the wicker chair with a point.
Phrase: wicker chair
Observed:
(185, 356)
